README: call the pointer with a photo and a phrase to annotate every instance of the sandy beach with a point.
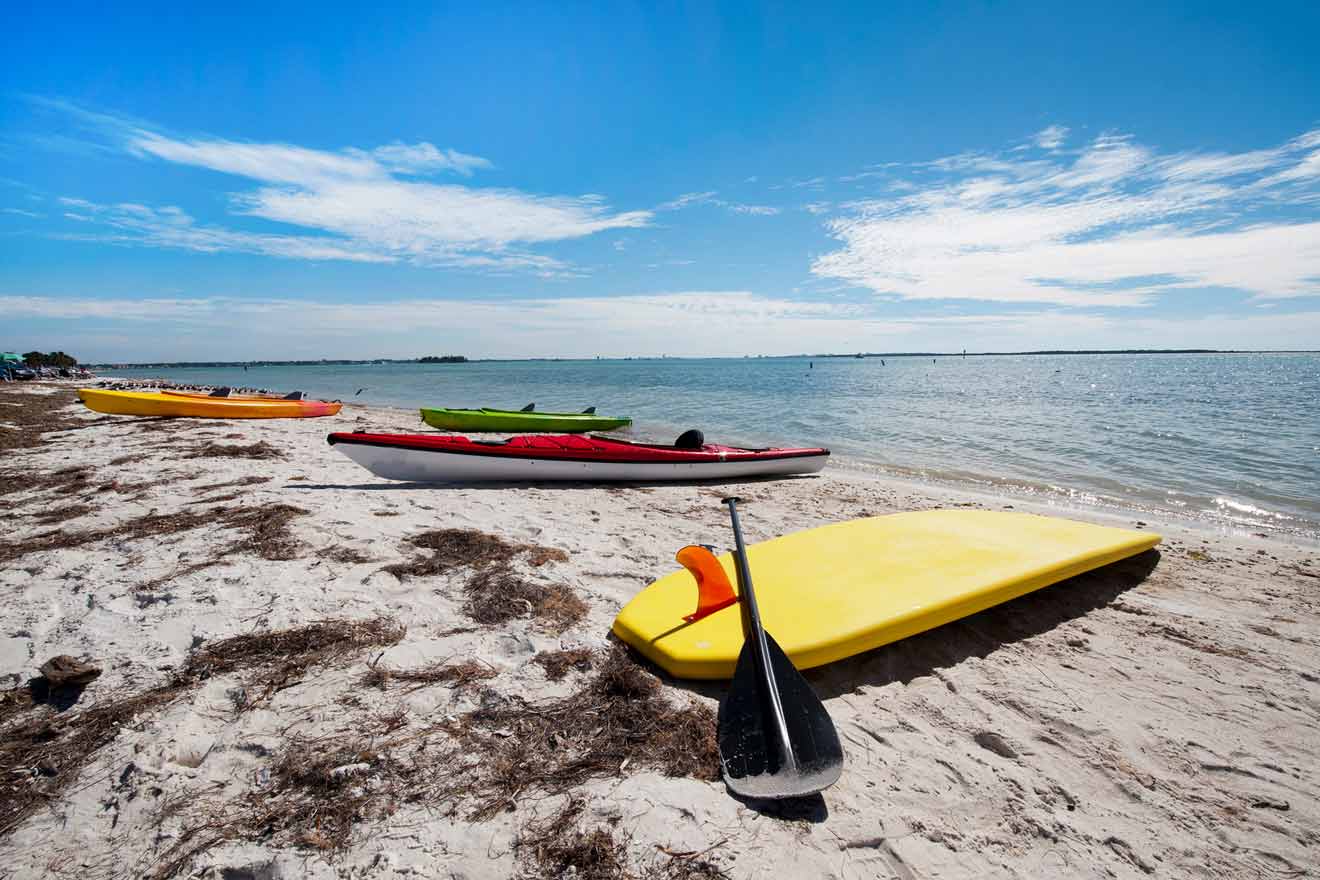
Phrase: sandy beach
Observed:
(301, 679)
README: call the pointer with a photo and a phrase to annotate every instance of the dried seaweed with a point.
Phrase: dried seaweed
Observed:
(54, 515)
(67, 480)
(454, 548)
(150, 525)
(231, 484)
(558, 664)
(559, 847)
(618, 718)
(31, 415)
(267, 526)
(283, 656)
(320, 790)
(258, 450)
(345, 555)
(495, 592)
(459, 675)
(500, 594)
(41, 753)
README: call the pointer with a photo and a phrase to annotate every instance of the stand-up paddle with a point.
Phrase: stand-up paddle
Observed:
(776, 739)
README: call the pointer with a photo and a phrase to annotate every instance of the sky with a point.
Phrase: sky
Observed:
(574, 180)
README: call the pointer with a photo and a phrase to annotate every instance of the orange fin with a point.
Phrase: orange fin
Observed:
(713, 589)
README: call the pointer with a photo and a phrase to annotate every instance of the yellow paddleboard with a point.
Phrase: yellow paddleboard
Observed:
(839, 590)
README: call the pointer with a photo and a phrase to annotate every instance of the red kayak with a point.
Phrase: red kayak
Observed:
(430, 458)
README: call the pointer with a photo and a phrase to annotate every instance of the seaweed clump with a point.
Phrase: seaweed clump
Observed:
(267, 526)
(495, 593)
(258, 450)
(42, 752)
(618, 718)
(558, 664)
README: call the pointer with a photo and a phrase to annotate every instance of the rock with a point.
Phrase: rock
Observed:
(65, 670)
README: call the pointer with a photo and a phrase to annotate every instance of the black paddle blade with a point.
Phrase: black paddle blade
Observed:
(749, 747)
(528, 408)
(589, 411)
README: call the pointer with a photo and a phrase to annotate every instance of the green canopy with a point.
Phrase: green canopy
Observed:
(10, 356)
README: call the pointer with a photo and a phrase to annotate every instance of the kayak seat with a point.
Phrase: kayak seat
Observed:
(691, 439)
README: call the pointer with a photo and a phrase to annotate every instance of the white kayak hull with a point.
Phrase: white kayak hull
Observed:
(427, 466)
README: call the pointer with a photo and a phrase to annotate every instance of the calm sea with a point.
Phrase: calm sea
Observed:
(1229, 437)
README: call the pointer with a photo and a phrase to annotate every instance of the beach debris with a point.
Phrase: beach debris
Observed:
(253, 480)
(258, 450)
(65, 481)
(560, 846)
(500, 594)
(1261, 802)
(29, 416)
(557, 664)
(54, 515)
(994, 742)
(618, 714)
(459, 675)
(345, 555)
(320, 789)
(42, 750)
(63, 670)
(447, 549)
(267, 525)
(495, 592)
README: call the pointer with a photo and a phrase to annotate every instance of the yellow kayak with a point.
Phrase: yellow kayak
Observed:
(838, 590)
(150, 403)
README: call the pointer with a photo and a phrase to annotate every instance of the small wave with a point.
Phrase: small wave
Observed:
(1241, 507)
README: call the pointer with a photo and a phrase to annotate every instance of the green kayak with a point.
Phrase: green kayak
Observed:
(506, 420)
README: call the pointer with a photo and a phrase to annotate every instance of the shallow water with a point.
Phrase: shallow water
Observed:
(1233, 438)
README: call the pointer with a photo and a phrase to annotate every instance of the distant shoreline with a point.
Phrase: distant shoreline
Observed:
(852, 355)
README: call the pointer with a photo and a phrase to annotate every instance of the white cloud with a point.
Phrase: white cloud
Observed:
(1051, 137)
(361, 205)
(170, 227)
(1113, 224)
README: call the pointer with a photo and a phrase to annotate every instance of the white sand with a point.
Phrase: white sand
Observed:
(1111, 727)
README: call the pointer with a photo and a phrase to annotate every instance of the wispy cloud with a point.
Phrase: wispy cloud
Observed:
(1050, 138)
(711, 197)
(372, 205)
(1114, 224)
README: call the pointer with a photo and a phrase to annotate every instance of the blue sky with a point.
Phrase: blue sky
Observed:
(568, 180)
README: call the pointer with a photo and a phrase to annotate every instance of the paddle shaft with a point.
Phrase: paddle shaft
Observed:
(755, 636)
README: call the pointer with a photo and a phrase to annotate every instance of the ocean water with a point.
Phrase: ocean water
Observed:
(1233, 438)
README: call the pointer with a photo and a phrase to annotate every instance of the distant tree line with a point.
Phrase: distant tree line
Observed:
(443, 359)
(49, 359)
